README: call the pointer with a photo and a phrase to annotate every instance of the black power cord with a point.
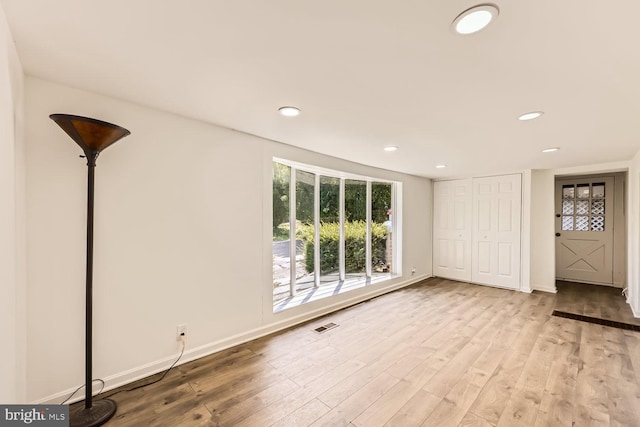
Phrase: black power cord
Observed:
(155, 381)
(133, 388)
(82, 386)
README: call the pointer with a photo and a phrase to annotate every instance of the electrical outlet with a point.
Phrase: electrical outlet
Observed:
(181, 330)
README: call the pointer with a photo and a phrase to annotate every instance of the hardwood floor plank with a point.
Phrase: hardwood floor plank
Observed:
(493, 397)
(410, 361)
(569, 336)
(450, 374)
(618, 360)
(472, 420)
(462, 395)
(305, 415)
(528, 335)
(228, 375)
(388, 405)
(195, 417)
(283, 343)
(623, 399)
(382, 346)
(384, 408)
(632, 340)
(415, 410)
(305, 376)
(348, 410)
(352, 384)
(445, 414)
(536, 370)
(521, 409)
(562, 380)
(285, 406)
(586, 416)
(326, 382)
(237, 410)
(554, 411)
(222, 361)
(314, 351)
(490, 358)
(150, 402)
(425, 370)
(223, 396)
(453, 408)
(591, 391)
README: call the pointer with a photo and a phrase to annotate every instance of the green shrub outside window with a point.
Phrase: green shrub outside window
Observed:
(355, 235)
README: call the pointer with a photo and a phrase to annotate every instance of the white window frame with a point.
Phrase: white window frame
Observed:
(342, 176)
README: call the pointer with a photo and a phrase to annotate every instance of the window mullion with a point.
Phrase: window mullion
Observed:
(342, 242)
(316, 230)
(368, 242)
(292, 232)
(394, 231)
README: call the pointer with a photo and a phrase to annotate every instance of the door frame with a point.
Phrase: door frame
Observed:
(619, 222)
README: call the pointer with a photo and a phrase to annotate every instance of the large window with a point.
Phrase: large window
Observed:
(332, 232)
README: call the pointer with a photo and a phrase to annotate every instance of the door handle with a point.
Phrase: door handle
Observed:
(557, 234)
(557, 215)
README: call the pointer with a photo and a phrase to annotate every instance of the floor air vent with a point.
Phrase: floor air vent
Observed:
(325, 328)
(596, 320)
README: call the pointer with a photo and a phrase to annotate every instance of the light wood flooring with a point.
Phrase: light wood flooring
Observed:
(440, 353)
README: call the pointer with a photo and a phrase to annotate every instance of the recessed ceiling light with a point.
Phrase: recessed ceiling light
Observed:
(289, 111)
(550, 150)
(530, 116)
(474, 19)
(390, 148)
(441, 166)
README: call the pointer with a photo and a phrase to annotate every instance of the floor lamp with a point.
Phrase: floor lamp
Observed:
(92, 136)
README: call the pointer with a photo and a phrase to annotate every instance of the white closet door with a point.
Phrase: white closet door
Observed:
(496, 230)
(452, 229)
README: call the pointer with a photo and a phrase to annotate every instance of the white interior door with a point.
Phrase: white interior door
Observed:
(452, 229)
(584, 230)
(496, 230)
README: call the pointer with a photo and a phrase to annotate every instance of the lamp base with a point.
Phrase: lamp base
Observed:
(100, 412)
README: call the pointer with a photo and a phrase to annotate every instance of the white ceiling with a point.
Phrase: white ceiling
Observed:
(366, 74)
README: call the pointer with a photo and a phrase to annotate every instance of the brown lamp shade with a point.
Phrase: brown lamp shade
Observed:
(91, 135)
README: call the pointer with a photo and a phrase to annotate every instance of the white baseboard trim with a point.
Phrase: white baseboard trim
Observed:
(135, 374)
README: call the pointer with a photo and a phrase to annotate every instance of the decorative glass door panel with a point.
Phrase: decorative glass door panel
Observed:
(583, 207)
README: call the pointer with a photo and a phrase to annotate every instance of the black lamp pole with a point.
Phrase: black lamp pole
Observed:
(88, 380)
(92, 136)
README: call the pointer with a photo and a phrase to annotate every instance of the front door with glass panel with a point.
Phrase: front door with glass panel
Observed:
(584, 230)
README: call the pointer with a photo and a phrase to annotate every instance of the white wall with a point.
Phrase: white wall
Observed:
(543, 262)
(182, 232)
(12, 271)
(633, 235)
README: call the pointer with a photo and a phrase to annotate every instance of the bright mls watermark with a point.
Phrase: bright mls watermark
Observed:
(34, 415)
